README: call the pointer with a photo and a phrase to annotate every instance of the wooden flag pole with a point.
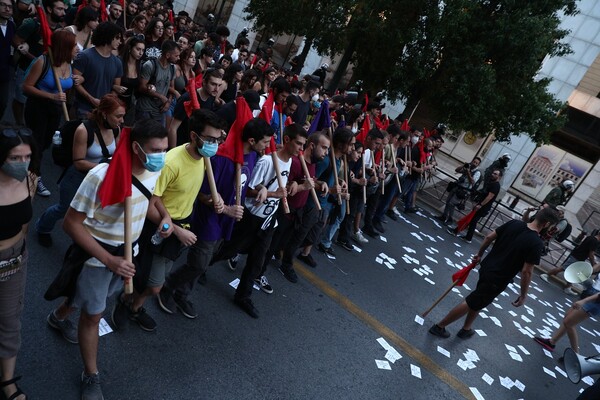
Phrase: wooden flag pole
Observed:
(128, 245)
(313, 192)
(57, 82)
(333, 164)
(397, 177)
(413, 111)
(382, 166)
(364, 175)
(347, 183)
(211, 180)
(440, 299)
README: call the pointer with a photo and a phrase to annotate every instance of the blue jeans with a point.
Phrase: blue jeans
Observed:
(332, 228)
(68, 187)
(408, 190)
(391, 189)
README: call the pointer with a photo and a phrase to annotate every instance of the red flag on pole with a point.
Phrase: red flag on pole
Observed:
(405, 127)
(103, 12)
(266, 112)
(193, 103)
(366, 127)
(364, 107)
(465, 221)
(82, 5)
(233, 147)
(45, 30)
(117, 182)
(171, 18)
(459, 277)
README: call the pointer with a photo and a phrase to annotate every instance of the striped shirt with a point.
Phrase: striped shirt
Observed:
(107, 224)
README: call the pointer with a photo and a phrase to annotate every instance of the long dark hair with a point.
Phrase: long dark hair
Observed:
(9, 143)
(126, 52)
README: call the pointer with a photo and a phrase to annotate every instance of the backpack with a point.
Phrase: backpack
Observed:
(62, 154)
(564, 234)
(152, 79)
(45, 68)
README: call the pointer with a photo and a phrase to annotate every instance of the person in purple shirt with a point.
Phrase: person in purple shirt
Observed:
(212, 228)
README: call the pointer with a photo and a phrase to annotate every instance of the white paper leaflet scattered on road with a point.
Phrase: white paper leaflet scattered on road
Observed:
(418, 272)
(524, 318)
(510, 348)
(547, 353)
(480, 332)
(234, 284)
(476, 393)
(511, 312)
(383, 256)
(378, 260)
(419, 320)
(382, 364)
(383, 239)
(589, 380)
(519, 385)
(483, 315)
(443, 351)
(588, 331)
(524, 350)
(409, 250)
(392, 355)
(497, 305)
(330, 256)
(104, 328)
(506, 382)
(465, 364)
(549, 372)
(384, 343)
(415, 371)
(430, 281)
(458, 254)
(560, 371)
(356, 248)
(496, 321)
(471, 355)
(431, 259)
(515, 356)
(487, 379)
(416, 235)
(387, 264)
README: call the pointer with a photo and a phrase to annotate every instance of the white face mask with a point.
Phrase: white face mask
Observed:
(315, 97)
(414, 140)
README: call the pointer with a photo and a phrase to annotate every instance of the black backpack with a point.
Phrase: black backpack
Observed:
(62, 154)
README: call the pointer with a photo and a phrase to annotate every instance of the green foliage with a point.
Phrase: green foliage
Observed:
(473, 61)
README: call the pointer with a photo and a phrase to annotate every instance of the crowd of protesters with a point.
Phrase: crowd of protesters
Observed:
(336, 171)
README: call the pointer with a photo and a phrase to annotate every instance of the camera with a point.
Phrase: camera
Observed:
(467, 166)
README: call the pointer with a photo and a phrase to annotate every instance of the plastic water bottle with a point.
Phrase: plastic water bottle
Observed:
(156, 238)
(56, 138)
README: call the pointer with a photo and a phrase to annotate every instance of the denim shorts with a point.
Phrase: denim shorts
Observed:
(95, 284)
(592, 308)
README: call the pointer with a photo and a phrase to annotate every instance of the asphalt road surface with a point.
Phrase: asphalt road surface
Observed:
(325, 337)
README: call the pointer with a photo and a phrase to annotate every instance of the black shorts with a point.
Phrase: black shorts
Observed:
(484, 294)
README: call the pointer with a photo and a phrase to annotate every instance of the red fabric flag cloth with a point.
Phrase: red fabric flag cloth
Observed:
(378, 155)
(122, 3)
(82, 5)
(288, 121)
(117, 182)
(266, 112)
(465, 221)
(103, 12)
(272, 146)
(233, 147)
(193, 103)
(198, 79)
(362, 134)
(364, 107)
(405, 127)
(459, 277)
(171, 18)
(45, 30)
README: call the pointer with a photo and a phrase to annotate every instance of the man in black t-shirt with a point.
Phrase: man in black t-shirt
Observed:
(484, 206)
(517, 248)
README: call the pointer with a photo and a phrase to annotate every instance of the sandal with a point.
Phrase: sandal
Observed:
(16, 394)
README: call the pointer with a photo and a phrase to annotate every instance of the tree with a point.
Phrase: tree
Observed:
(473, 61)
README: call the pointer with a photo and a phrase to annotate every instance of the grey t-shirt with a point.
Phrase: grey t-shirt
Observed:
(161, 79)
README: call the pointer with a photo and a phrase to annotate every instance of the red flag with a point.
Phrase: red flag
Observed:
(378, 155)
(171, 18)
(364, 107)
(82, 5)
(45, 30)
(272, 146)
(288, 121)
(366, 127)
(405, 127)
(103, 12)
(465, 221)
(193, 103)
(266, 112)
(233, 147)
(199, 77)
(459, 277)
(117, 182)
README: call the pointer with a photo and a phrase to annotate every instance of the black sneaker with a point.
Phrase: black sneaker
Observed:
(90, 387)
(247, 306)
(439, 331)
(120, 314)
(465, 334)
(44, 239)
(344, 245)
(308, 260)
(391, 215)
(232, 262)
(326, 250)
(377, 225)
(263, 284)
(411, 210)
(143, 319)
(289, 273)
(369, 231)
(451, 231)
(546, 343)
(166, 301)
(186, 307)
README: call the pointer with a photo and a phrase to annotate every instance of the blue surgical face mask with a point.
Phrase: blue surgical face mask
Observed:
(154, 161)
(16, 170)
(208, 149)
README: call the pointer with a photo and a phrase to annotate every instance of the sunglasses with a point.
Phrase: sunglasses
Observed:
(14, 132)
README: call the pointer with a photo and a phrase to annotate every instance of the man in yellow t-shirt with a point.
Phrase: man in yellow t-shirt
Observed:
(175, 192)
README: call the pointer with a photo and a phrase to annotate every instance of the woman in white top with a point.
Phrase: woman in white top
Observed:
(86, 20)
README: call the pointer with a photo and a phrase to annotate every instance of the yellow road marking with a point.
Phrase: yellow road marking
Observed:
(386, 332)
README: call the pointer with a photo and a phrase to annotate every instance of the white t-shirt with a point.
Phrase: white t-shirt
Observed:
(368, 158)
(264, 174)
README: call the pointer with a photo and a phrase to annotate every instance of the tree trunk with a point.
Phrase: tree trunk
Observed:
(342, 66)
(300, 62)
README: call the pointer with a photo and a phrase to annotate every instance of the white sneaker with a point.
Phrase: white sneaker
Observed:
(42, 190)
(359, 237)
(545, 277)
(396, 212)
(570, 291)
(263, 283)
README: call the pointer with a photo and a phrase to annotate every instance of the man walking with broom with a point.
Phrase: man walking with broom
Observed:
(517, 248)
